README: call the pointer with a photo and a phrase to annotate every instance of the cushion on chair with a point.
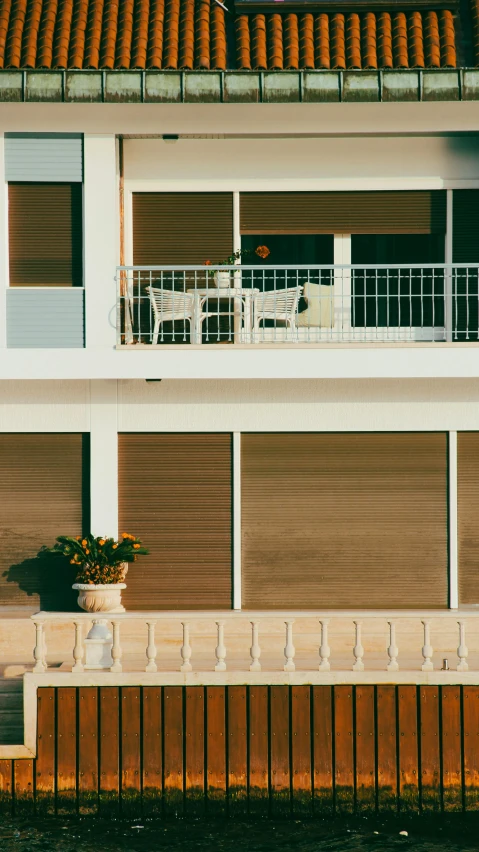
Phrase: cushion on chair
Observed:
(319, 313)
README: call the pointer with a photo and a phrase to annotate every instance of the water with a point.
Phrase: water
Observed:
(454, 833)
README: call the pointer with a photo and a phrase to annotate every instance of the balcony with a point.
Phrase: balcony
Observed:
(254, 305)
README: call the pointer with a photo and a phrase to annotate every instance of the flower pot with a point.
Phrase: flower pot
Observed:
(223, 280)
(104, 598)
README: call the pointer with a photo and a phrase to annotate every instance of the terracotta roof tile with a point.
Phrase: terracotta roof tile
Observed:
(93, 34)
(306, 41)
(415, 40)
(321, 41)
(353, 41)
(385, 40)
(431, 38)
(191, 34)
(78, 34)
(156, 34)
(369, 40)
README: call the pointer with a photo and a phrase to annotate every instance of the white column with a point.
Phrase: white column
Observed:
(453, 562)
(101, 239)
(236, 222)
(236, 520)
(342, 286)
(103, 457)
(448, 259)
(3, 245)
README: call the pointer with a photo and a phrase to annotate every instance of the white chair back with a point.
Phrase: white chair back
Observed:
(281, 304)
(170, 302)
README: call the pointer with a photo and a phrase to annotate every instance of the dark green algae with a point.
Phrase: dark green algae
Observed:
(452, 833)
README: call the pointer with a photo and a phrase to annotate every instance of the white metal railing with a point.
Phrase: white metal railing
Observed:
(297, 304)
(327, 641)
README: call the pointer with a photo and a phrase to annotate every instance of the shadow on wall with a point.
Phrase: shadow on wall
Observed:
(34, 579)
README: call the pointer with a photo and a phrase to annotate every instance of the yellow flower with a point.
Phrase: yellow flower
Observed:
(136, 546)
(114, 547)
(84, 542)
(125, 535)
(86, 550)
(101, 542)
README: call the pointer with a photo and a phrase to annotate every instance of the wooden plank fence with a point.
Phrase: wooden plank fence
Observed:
(299, 751)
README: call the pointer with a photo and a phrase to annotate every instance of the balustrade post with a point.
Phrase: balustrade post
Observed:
(78, 649)
(220, 650)
(358, 650)
(255, 650)
(151, 648)
(116, 648)
(462, 651)
(324, 649)
(393, 650)
(427, 649)
(38, 652)
(289, 650)
(186, 648)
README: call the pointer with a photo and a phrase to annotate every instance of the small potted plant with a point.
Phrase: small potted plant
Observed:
(102, 566)
(223, 279)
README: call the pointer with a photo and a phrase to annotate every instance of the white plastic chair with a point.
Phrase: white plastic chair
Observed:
(277, 305)
(169, 305)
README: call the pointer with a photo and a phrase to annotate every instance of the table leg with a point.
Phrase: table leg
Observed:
(238, 314)
(248, 318)
(195, 325)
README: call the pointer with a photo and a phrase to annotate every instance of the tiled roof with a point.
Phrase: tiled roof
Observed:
(198, 34)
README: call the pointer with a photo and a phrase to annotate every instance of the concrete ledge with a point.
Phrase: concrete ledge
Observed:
(322, 86)
(360, 86)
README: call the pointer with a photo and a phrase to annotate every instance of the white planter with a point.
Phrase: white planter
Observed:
(106, 598)
(223, 280)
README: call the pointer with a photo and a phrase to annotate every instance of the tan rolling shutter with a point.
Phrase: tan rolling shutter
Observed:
(421, 212)
(468, 515)
(175, 493)
(182, 227)
(344, 520)
(43, 493)
(45, 234)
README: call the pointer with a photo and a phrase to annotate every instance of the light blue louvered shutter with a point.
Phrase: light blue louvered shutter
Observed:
(39, 157)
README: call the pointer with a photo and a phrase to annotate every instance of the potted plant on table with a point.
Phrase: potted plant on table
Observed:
(223, 279)
(102, 566)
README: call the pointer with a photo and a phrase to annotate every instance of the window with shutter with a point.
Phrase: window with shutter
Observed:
(45, 234)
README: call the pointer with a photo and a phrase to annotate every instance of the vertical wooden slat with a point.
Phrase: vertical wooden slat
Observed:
(408, 749)
(152, 751)
(258, 750)
(471, 747)
(451, 748)
(173, 750)
(109, 751)
(323, 750)
(195, 751)
(45, 762)
(365, 749)
(344, 748)
(23, 787)
(88, 750)
(279, 739)
(430, 744)
(387, 748)
(216, 748)
(301, 750)
(237, 751)
(6, 791)
(130, 750)
(66, 750)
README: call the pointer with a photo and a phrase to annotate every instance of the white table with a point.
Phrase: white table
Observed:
(242, 298)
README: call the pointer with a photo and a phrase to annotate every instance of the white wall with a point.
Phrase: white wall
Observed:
(44, 406)
(303, 163)
(304, 405)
